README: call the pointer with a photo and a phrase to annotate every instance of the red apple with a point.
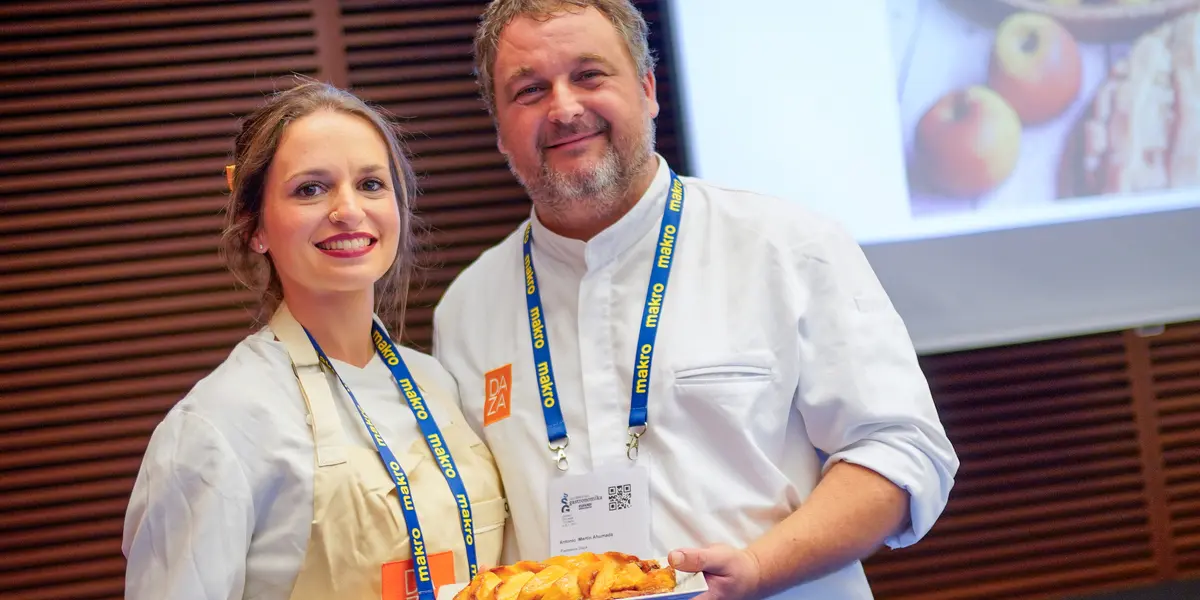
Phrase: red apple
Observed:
(1035, 65)
(967, 142)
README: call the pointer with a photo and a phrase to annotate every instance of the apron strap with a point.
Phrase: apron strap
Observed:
(322, 413)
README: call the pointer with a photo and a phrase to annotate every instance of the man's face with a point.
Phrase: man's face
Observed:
(575, 121)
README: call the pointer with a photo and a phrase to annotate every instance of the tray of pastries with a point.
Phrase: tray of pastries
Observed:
(585, 576)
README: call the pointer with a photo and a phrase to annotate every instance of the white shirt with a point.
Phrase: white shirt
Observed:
(775, 340)
(223, 504)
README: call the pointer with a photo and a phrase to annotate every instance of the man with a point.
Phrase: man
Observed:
(661, 365)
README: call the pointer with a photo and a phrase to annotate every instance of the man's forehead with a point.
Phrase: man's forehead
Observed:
(576, 31)
(529, 43)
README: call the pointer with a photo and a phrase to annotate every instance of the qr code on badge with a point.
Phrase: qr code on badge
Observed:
(620, 497)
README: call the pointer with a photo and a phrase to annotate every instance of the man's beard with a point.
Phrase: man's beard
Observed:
(595, 189)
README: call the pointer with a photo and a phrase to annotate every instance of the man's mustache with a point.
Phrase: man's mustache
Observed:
(560, 132)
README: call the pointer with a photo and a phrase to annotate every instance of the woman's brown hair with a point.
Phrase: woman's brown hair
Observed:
(254, 149)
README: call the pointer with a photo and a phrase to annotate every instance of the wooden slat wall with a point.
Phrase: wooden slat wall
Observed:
(115, 121)
(1080, 474)
(1079, 456)
(1050, 498)
(1175, 358)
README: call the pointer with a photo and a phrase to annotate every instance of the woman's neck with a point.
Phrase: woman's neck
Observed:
(340, 322)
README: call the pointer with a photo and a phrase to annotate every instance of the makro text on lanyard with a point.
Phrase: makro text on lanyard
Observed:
(437, 445)
(652, 312)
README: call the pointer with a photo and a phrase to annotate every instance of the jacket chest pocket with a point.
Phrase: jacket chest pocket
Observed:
(732, 396)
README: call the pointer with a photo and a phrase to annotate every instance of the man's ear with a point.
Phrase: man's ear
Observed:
(650, 89)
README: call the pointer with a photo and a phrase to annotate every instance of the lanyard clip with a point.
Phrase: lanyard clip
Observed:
(560, 453)
(631, 447)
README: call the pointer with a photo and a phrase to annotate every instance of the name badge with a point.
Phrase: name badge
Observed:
(602, 511)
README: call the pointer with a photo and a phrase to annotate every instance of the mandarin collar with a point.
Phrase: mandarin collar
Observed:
(607, 245)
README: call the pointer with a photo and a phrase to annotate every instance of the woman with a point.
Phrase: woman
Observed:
(319, 459)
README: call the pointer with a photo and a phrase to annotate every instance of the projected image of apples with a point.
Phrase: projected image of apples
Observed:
(1008, 105)
(967, 143)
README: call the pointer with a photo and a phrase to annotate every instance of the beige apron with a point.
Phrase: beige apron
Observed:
(357, 523)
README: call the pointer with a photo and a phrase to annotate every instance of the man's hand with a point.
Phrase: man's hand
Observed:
(731, 573)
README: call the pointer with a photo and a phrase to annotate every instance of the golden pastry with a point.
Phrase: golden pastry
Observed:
(585, 576)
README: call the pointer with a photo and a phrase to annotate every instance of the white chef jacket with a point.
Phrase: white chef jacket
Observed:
(223, 504)
(775, 341)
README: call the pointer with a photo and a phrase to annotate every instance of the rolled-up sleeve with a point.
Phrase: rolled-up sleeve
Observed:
(190, 516)
(862, 394)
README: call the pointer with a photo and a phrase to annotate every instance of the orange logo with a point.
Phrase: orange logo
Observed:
(400, 581)
(497, 395)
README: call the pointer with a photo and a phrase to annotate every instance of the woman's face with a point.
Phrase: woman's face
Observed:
(330, 219)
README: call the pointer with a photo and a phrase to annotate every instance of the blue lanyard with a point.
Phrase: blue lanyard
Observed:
(652, 313)
(437, 445)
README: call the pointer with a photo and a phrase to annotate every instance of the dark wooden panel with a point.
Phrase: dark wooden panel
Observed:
(115, 124)
(1175, 359)
(1049, 500)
